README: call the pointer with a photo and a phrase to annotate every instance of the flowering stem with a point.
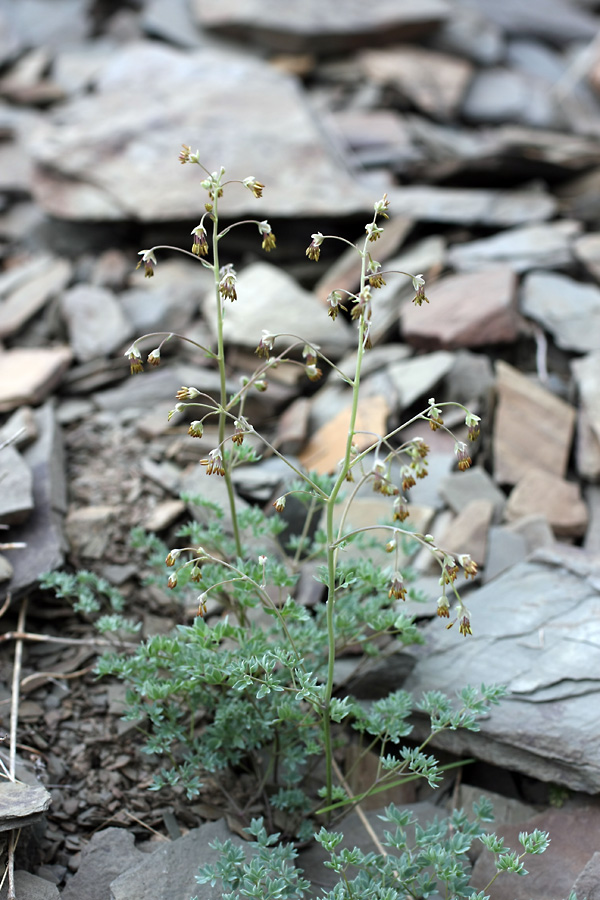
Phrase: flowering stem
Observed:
(223, 380)
(332, 548)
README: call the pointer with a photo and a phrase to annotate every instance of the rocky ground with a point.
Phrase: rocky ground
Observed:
(481, 121)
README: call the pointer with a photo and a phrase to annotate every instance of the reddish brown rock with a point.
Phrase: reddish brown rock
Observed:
(465, 311)
(546, 494)
(533, 428)
(467, 533)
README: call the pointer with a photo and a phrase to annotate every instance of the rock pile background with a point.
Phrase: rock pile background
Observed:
(482, 123)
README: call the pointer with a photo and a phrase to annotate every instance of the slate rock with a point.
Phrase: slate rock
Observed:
(533, 428)
(433, 82)
(270, 299)
(468, 531)
(108, 854)
(587, 448)
(32, 295)
(592, 536)
(307, 25)
(469, 34)
(546, 494)
(20, 428)
(471, 377)
(535, 629)
(551, 874)
(587, 251)
(472, 206)
(417, 377)
(16, 499)
(505, 548)
(560, 23)
(499, 95)
(42, 532)
(586, 371)
(171, 21)
(461, 488)
(587, 883)
(168, 301)
(171, 870)
(95, 320)
(88, 529)
(68, 22)
(21, 804)
(28, 375)
(30, 887)
(105, 132)
(532, 246)
(465, 311)
(567, 309)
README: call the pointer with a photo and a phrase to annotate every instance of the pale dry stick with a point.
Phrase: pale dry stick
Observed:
(365, 822)
(56, 676)
(73, 642)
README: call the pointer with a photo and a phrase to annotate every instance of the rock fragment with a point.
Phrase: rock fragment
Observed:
(546, 494)
(567, 309)
(28, 375)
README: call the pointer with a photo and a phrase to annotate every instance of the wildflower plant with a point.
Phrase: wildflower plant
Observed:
(243, 701)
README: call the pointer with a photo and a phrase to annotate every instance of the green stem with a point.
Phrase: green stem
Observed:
(223, 383)
(332, 552)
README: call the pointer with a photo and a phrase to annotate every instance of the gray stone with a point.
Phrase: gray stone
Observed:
(417, 377)
(68, 22)
(43, 532)
(171, 870)
(536, 531)
(171, 20)
(551, 874)
(76, 67)
(434, 82)
(32, 295)
(21, 804)
(20, 428)
(499, 95)
(96, 323)
(586, 371)
(460, 488)
(310, 26)
(269, 299)
(109, 853)
(195, 483)
(587, 448)
(532, 246)
(84, 156)
(587, 883)
(467, 532)
(592, 535)
(30, 887)
(505, 548)
(535, 628)
(6, 570)
(472, 206)
(88, 529)
(587, 251)
(16, 499)
(567, 309)
(168, 301)
(467, 33)
(560, 23)
(471, 377)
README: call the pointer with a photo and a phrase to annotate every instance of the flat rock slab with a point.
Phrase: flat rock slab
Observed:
(533, 427)
(170, 872)
(109, 853)
(536, 629)
(461, 488)
(552, 874)
(95, 319)
(105, 155)
(471, 310)
(417, 377)
(270, 299)
(31, 296)
(587, 375)
(471, 206)
(28, 375)
(327, 446)
(21, 804)
(544, 246)
(560, 23)
(312, 26)
(16, 499)
(541, 493)
(567, 309)
(434, 82)
(30, 887)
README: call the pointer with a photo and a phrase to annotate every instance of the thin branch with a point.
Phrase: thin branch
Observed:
(73, 642)
(365, 822)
